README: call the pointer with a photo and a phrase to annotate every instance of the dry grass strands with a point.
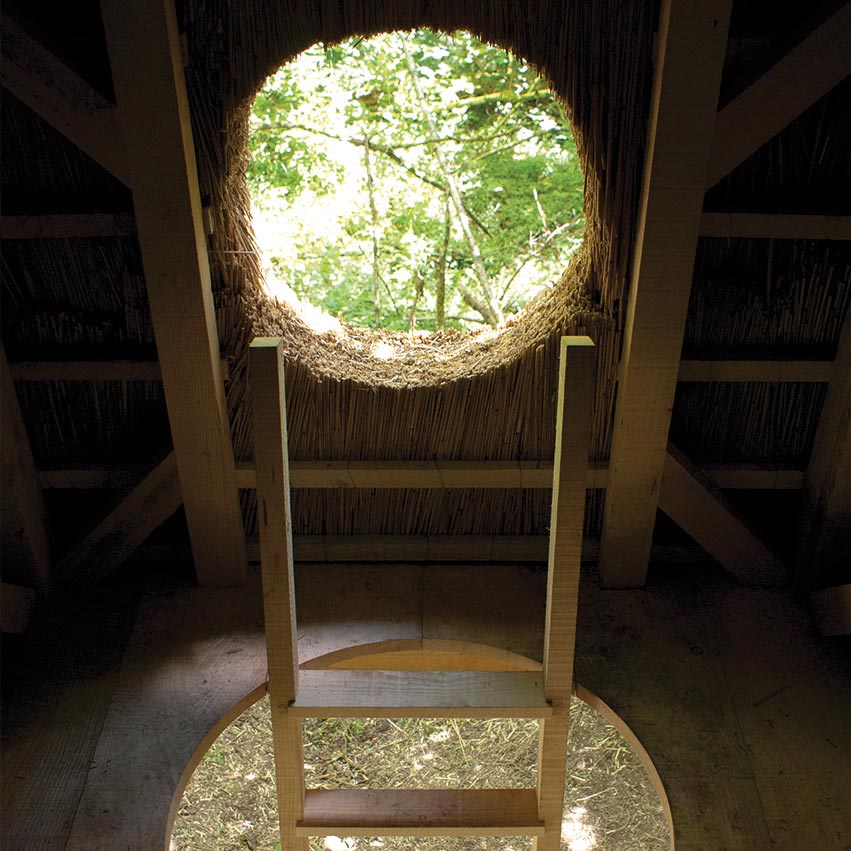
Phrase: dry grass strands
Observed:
(610, 804)
(596, 58)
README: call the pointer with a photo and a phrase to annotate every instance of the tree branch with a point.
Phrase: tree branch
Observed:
(479, 305)
(494, 312)
(388, 152)
(376, 290)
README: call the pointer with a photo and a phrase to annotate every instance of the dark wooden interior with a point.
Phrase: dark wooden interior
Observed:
(714, 606)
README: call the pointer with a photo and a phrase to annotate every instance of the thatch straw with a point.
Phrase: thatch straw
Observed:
(768, 298)
(42, 171)
(450, 396)
(758, 422)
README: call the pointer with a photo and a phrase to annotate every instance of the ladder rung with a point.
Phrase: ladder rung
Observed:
(421, 694)
(420, 812)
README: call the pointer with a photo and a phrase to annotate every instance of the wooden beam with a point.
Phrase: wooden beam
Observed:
(16, 606)
(144, 49)
(784, 92)
(428, 474)
(24, 534)
(148, 505)
(61, 98)
(691, 43)
(775, 226)
(816, 371)
(336, 474)
(520, 549)
(573, 440)
(93, 370)
(420, 694)
(825, 526)
(90, 478)
(266, 366)
(436, 475)
(831, 610)
(67, 226)
(700, 509)
(754, 477)
(87, 370)
(420, 812)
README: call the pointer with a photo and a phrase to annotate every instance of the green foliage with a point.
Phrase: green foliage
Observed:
(392, 124)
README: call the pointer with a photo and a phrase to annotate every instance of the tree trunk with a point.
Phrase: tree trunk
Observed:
(376, 275)
(492, 312)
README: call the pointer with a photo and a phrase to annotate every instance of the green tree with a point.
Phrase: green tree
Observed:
(414, 180)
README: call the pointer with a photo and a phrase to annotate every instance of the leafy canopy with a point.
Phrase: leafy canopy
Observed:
(413, 180)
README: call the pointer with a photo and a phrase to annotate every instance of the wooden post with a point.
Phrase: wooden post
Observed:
(16, 607)
(23, 516)
(825, 525)
(276, 560)
(573, 438)
(692, 40)
(147, 70)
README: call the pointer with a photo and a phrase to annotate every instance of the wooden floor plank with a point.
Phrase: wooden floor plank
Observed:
(58, 680)
(420, 812)
(742, 708)
(193, 654)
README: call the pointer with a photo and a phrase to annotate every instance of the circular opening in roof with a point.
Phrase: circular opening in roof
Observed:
(412, 182)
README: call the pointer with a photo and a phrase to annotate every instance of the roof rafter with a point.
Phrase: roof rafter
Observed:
(67, 226)
(699, 508)
(143, 510)
(807, 73)
(92, 370)
(147, 68)
(816, 371)
(69, 104)
(687, 78)
(775, 226)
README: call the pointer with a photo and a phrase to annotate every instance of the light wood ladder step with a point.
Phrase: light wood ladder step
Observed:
(420, 694)
(420, 812)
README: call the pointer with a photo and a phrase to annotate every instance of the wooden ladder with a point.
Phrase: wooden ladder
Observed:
(545, 694)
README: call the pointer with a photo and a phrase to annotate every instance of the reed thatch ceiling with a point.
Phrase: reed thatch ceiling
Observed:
(69, 298)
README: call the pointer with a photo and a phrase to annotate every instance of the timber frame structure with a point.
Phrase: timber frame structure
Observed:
(685, 480)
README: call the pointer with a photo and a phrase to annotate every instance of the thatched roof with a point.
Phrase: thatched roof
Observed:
(449, 397)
